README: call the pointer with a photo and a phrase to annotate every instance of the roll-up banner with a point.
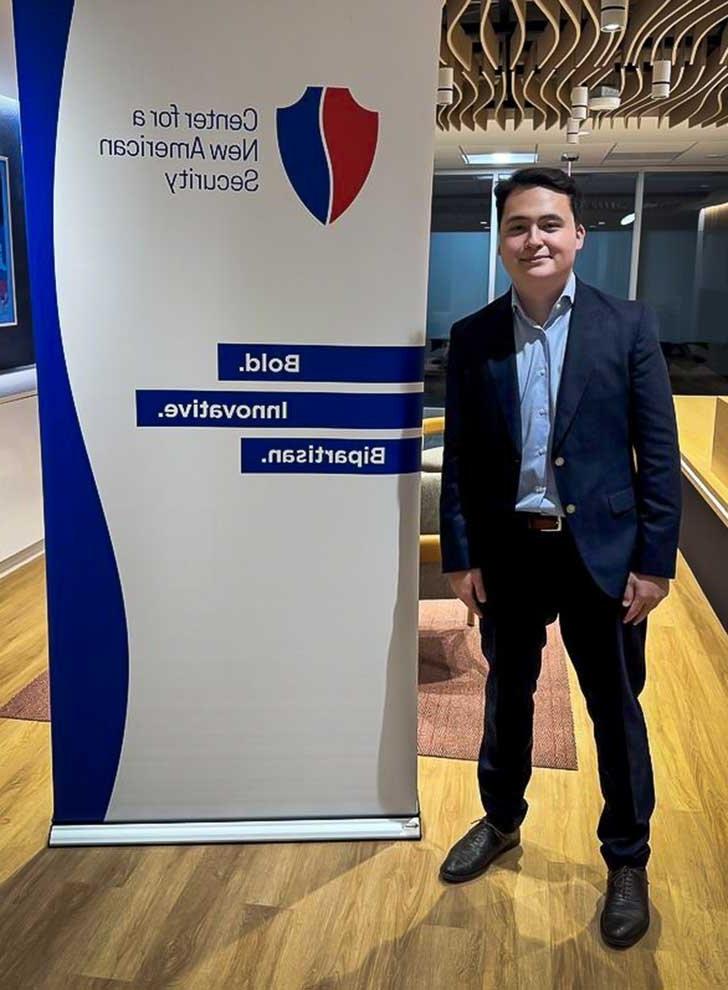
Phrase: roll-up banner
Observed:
(228, 209)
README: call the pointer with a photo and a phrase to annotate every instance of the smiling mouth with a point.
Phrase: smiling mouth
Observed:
(541, 257)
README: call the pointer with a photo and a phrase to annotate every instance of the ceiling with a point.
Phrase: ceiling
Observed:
(516, 61)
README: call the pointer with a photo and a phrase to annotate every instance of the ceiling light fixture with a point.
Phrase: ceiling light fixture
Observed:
(572, 131)
(500, 158)
(605, 98)
(613, 16)
(626, 221)
(445, 86)
(580, 102)
(661, 73)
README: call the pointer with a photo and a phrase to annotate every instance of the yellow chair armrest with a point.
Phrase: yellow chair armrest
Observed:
(430, 549)
(435, 424)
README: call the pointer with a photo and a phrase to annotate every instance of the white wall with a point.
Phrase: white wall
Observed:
(8, 84)
(21, 503)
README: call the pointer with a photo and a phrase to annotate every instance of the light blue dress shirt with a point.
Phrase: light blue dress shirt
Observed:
(539, 361)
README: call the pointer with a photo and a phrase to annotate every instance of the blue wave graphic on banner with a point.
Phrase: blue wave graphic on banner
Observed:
(87, 629)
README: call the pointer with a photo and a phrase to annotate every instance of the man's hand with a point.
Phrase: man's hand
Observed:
(642, 594)
(468, 586)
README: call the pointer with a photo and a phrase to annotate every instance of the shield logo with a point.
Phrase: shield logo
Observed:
(327, 143)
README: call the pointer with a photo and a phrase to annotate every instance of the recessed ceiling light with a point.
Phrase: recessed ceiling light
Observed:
(626, 221)
(602, 223)
(501, 158)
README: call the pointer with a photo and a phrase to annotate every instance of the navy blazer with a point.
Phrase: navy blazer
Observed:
(614, 445)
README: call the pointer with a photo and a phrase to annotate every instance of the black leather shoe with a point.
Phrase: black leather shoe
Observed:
(473, 854)
(626, 914)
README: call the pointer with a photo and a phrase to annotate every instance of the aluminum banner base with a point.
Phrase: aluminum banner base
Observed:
(200, 833)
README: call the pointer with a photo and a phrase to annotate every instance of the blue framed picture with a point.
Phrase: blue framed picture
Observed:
(8, 315)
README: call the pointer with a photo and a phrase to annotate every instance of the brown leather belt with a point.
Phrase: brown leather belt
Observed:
(544, 524)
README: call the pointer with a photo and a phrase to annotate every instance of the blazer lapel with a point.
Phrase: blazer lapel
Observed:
(502, 367)
(579, 360)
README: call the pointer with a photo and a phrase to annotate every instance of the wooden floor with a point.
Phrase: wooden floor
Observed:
(373, 915)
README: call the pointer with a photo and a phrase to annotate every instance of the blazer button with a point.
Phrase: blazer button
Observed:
(559, 462)
(571, 508)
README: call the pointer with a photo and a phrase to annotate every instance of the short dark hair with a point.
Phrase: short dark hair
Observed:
(548, 178)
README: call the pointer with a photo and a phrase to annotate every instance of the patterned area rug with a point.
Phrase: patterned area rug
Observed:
(452, 678)
(32, 703)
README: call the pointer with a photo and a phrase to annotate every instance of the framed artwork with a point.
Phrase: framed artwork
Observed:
(8, 312)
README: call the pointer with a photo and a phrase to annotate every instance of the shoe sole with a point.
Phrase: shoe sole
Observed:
(463, 878)
(615, 943)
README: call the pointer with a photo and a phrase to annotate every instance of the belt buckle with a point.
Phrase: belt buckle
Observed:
(548, 529)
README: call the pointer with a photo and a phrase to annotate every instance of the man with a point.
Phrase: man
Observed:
(560, 497)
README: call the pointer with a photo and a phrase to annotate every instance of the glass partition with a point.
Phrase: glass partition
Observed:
(683, 274)
(458, 274)
(609, 216)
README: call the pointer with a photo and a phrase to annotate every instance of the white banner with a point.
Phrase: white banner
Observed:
(240, 222)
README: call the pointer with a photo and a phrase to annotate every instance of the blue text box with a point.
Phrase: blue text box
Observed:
(343, 410)
(319, 363)
(324, 455)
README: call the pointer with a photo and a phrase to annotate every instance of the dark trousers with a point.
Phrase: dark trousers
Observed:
(538, 578)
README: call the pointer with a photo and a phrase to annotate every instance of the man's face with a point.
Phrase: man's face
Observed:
(539, 237)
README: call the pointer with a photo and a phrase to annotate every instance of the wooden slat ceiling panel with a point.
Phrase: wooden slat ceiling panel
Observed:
(519, 60)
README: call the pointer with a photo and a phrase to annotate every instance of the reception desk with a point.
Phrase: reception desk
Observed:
(703, 428)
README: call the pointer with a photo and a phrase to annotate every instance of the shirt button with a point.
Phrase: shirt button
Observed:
(542, 372)
(571, 509)
(559, 462)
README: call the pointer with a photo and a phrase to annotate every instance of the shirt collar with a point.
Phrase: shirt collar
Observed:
(568, 293)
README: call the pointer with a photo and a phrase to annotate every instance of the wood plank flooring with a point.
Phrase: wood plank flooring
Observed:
(373, 916)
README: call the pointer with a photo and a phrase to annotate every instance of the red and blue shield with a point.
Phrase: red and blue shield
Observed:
(327, 143)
